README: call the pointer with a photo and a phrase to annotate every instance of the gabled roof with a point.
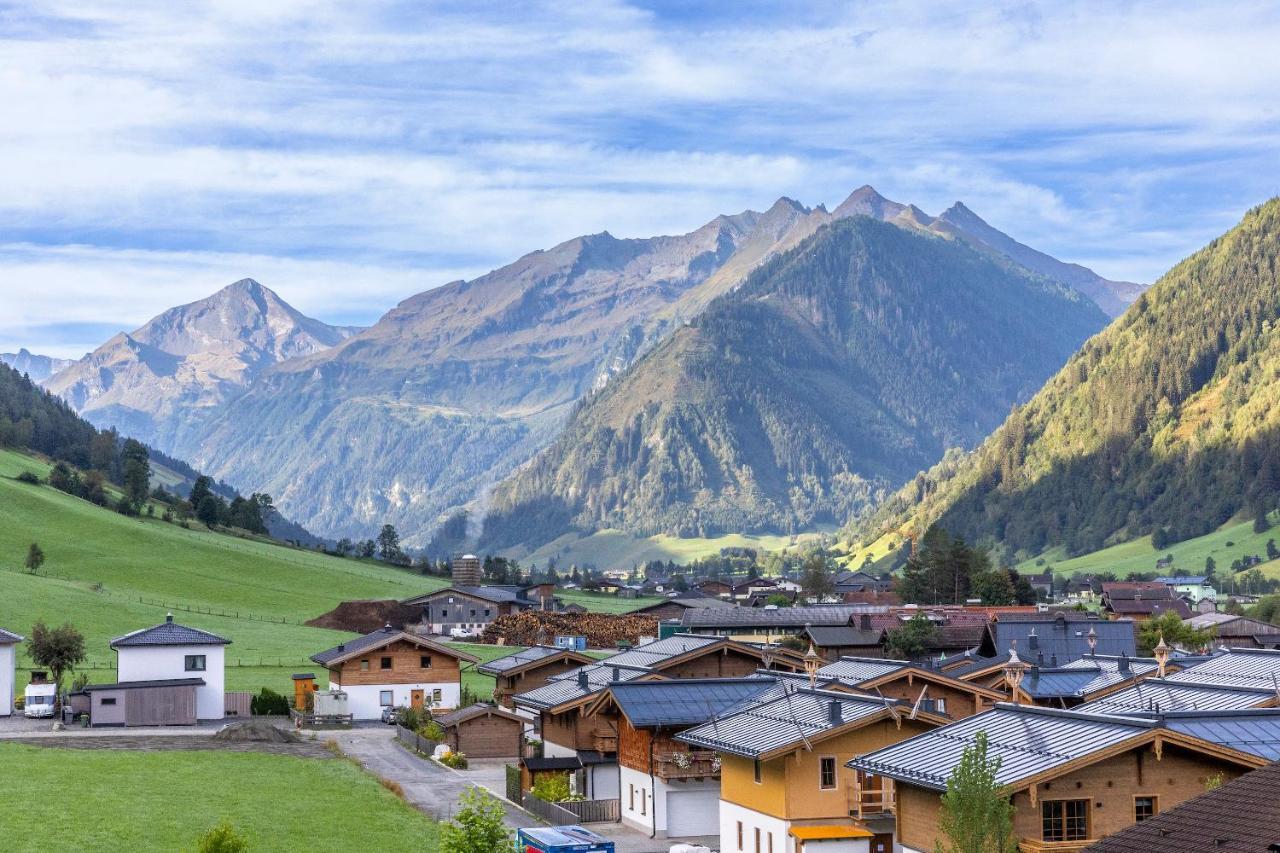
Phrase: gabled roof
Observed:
(566, 688)
(680, 702)
(795, 719)
(1181, 580)
(847, 635)
(688, 603)
(1156, 694)
(1236, 668)
(1239, 817)
(472, 712)
(660, 651)
(1064, 635)
(1136, 591)
(384, 636)
(1084, 677)
(1031, 743)
(1255, 731)
(530, 658)
(169, 633)
(868, 674)
(491, 594)
(761, 617)
(1145, 606)
(8, 637)
(854, 670)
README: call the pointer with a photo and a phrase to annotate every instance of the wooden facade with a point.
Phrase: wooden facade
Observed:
(399, 662)
(1105, 794)
(535, 675)
(959, 699)
(487, 734)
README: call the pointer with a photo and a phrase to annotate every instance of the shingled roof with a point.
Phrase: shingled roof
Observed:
(169, 633)
(9, 638)
(1239, 817)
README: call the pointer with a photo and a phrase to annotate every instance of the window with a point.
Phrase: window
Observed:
(756, 769)
(364, 664)
(941, 705)
(757, 839)
(739, 835)
(631, 797)
(486, 612)
(436, 696)
(426, 662)
(827, 772)
(771, 842)
(386, 663)
(194, 663)
(643, 801)
(385, 698)
(1065, 820)
(1144, 808)
(110, 701)
(473, 613)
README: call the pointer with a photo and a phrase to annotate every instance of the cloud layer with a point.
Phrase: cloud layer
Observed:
(351, 154)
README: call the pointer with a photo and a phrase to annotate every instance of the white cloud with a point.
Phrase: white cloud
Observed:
(153, 149)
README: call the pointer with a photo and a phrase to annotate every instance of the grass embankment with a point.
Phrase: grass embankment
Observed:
(109, 574)
(113, 800)
(1188, 556)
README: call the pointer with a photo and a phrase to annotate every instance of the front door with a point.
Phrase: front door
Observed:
(882, 843)
(415, 699)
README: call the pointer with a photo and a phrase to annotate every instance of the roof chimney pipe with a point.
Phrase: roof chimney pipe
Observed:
(1033, 642)
(168, 617)
(835, 713)
(1123, 666)
(582, 680)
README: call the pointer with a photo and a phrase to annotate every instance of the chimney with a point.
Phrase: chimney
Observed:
(864, 622)
(582, 680)
(835, 714)
(342, 647)
(1123, 666)
(1033, 642)
(617, 674)
(1034, 672)
(168, 617)
(1053, 661)
(387, 627)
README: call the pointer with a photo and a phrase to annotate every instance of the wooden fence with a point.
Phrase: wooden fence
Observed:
(552, 813)
(593, 811)
(237, 704)
(415, 741)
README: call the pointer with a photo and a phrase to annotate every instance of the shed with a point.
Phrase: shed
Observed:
(483, 731)
(168, 702)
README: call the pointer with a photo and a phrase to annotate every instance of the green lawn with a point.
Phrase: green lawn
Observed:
(109, 574)
(1188, 556)
(611, 549)
(115, 800)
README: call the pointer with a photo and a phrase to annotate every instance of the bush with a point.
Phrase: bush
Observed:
(552, 787)
(222, 839)
(432, 731)
(456, 760)
(28, 477)
(267, 703)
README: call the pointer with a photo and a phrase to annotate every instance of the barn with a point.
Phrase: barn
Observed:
(483, 731)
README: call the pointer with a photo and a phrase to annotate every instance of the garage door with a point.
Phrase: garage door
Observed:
(693, 812)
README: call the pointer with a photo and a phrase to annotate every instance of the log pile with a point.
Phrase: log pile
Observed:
(602, 630)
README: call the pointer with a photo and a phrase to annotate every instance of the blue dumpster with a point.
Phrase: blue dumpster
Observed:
(561, 839)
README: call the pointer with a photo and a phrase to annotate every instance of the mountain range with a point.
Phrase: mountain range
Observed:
(37, 367)
(452, 390)
(1167, 423)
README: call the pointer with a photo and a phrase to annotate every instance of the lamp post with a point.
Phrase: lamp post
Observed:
(1162, 656)
(811, 661)
(1014, 671)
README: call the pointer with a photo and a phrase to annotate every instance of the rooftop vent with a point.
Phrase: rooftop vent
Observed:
(835, 713)
(1033, 641)
(168, 617)
(582, 679)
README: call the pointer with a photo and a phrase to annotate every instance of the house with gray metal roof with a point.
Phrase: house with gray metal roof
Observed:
(8, 670)
(391, 668)
(1236, 668)
(767, 623)
(529, 669)
(784, 774)
(924, 687)
(1072, 777)
(1081, 680)
(1064, 635)
(1165, 694)
(472, 608)
(668, 788)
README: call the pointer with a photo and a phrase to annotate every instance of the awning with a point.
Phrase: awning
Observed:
(569, 762)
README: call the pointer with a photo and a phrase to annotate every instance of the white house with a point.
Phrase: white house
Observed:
(173, 652)
(8, 670)
(394, 668)
(1194, 587)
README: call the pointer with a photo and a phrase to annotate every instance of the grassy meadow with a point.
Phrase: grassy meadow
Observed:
(114, 800)
(1188, 556)
(615, 548)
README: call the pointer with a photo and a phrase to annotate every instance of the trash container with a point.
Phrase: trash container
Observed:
(561, 839)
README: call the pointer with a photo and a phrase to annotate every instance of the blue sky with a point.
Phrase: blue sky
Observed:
(349, 155)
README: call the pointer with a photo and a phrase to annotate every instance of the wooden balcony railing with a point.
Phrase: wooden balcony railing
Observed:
(604, 743)
(873, 802)
(696, 764)
(1031, 845)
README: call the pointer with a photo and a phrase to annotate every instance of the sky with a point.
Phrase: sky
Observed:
(349, 155)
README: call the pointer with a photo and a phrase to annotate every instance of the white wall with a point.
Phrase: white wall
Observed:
(655, 800)
(603, 783)
(8, 678)
(731, 813)
(364, 700)
(157, 663)
(635, 791)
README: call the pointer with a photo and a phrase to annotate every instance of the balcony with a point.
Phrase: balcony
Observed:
(695, 764)
(1030, 845)
(872, 797)
(604, 743)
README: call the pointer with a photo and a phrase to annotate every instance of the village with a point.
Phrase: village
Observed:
(713, 719)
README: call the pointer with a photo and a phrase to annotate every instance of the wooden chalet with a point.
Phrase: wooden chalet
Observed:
(483, 731)
(529, 669)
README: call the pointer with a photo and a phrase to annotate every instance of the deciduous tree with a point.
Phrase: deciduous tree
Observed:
(976, 816)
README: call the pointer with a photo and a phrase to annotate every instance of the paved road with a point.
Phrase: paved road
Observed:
(432, 788)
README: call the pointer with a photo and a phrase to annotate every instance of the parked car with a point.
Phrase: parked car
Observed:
(391, 715)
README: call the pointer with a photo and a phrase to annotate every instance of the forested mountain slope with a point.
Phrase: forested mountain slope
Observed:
(835, 371)
(1167, 421)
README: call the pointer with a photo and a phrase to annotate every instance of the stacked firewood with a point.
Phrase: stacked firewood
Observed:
(602, 630)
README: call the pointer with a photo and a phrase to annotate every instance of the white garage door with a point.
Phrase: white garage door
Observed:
(693, 812)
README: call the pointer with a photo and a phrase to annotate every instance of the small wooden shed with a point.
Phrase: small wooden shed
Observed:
(168, 702)
(483, 731)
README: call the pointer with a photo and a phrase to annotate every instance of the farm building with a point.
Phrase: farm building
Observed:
(8, 670)
(483, 731)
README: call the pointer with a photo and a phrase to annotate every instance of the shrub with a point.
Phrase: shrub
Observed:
(28, 477)
(477, 827)
(222, 839)
(456, 760)
(552, 787)
(268, 702)
(432, 731)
